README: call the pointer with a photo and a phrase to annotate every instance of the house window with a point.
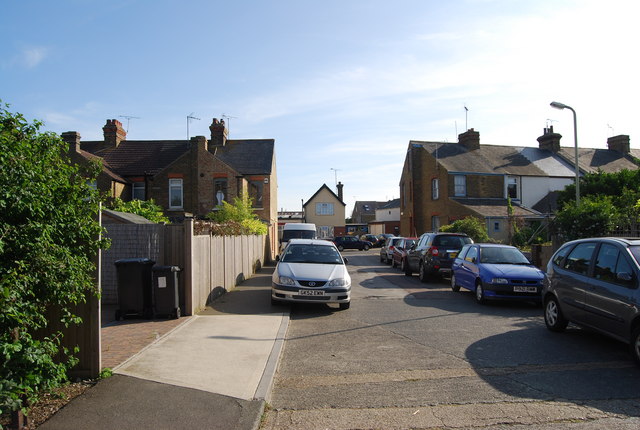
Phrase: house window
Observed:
(496, 226)
(435, 189)
(460, 185)
(137, 191)
(175, 193)
(324, 208)
(255, 193)
(512, 187)
(435, 223)
(219, 190)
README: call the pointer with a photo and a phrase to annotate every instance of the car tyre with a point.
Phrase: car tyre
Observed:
(634, 345)
(382, 259)
(393, 263)
(340, 248)
(405, 267)
(344, 306)
(480, 293)
(455, 287)
(422, 274)
(366, 247)
(553, 317)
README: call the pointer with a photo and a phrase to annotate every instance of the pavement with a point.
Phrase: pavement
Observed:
(212, 370)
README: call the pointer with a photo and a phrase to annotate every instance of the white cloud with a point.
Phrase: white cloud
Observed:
(31, 57)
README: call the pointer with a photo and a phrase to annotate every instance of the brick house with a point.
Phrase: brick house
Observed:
(186, 177)
(326, 210)
(442, 182)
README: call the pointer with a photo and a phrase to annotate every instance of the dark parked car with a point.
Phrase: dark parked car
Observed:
(594, 283)
(351, 242)
(434, 253)
(495, 271)
(372, 238)
(399, 257)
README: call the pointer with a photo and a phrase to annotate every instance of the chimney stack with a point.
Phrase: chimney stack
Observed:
(470, 139)
(619, 143)
(339, 187)
(72, 138)
(218, 134)
(550, 140)
(113, 133)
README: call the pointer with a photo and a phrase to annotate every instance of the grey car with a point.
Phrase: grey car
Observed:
(594, 283)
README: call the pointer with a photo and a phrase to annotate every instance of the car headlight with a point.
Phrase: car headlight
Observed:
(285, 280)
(340, 282)
(499, 281)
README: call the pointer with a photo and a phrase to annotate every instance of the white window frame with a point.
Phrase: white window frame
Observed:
(175, 186)
(435, 223)
(138, 188)
(324, 209)
(512, 180)
(435, 189)
(459, 185)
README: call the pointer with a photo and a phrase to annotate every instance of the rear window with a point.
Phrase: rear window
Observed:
(451, 241)
(580, 258)
(298, 234)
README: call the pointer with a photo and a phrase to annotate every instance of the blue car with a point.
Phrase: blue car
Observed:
(496, 271)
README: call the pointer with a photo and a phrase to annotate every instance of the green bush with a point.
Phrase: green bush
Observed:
(471, 226)
(48, 233)
(594, 217)
(145, 208)
(237, 218)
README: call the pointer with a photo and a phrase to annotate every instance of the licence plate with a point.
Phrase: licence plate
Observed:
(525, 289)
(453, 254)
(311, 292)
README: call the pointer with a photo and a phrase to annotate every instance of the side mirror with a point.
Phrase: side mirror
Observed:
(277, 258)
(346, 260)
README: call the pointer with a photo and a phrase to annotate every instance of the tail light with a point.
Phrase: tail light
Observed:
(433, 251)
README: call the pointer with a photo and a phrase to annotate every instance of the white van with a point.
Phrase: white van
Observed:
(297, 230)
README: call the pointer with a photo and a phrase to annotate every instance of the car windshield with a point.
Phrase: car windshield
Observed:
(315, 254)
(409, 243)
(496, 255)
(298, 234)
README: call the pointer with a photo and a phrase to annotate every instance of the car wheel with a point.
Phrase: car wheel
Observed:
(345, 306)
(340, 248)
(366, 247)
(381, 258)
(393, 263)
(635, 344)
(404, 266)
(176, 313)
(454, 286)
(553, 317)
(422, 274)
(479, 293)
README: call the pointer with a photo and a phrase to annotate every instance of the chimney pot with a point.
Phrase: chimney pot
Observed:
(113, 133)
(218, 134)
(620, 143)
(339, 187)
(470, 139)
(72, 138)
(549, 140)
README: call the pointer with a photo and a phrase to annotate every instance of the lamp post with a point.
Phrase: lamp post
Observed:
(575, 139)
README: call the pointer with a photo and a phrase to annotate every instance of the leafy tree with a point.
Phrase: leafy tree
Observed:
(145, 208)
(238, 218)
(48, 233)
(595, 216)
(473, 227)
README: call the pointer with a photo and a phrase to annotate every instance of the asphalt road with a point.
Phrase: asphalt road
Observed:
(409, 355)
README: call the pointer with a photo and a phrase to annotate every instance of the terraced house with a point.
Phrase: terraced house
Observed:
(185, 177)
(442, 182)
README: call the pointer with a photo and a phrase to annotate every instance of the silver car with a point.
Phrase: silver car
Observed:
(311, 271)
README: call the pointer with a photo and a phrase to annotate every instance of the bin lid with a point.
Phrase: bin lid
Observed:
(166, 269)
(134, 261)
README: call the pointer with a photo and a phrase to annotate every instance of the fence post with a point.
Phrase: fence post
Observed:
(188, 266)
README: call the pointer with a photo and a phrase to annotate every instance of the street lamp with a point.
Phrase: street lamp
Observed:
(575, 138)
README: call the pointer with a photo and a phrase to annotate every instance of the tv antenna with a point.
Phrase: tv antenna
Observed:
(466, 114)
(228, 118)
(128, 117)
(610, 128)
(335, 171)
(189, 118)
(550, 122)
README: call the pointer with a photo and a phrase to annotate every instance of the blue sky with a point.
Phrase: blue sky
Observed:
(341, 85)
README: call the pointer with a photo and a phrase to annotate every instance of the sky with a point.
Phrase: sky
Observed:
(342, 86)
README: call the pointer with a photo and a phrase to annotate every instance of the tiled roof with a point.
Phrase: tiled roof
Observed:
(106, 169)
(391, 204)
(324, 186)
(495, 207)
(592, 160)
(498, 159)
(249, 156)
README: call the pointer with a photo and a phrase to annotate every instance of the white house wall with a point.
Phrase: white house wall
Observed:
(536, 188)
(392, 214)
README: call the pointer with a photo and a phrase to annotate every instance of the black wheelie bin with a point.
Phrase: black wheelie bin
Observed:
(166, 291)
(134, 288)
